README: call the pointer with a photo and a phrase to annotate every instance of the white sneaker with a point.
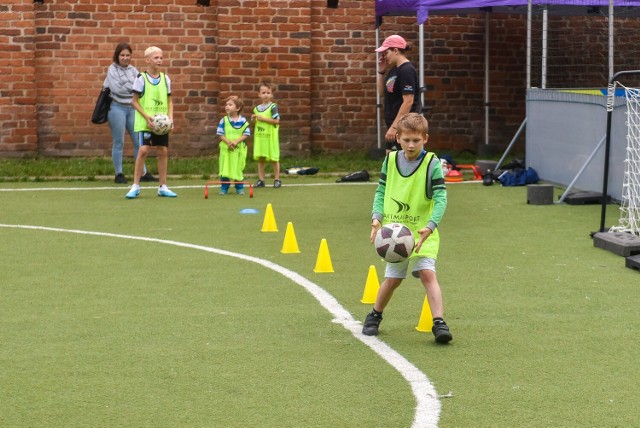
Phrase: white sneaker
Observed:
(164, 191)
(133, 192)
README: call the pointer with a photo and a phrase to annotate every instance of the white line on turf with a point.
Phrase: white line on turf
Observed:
(428, 406)
(198, 186)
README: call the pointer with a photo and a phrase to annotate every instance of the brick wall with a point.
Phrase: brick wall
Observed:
(17, 85)
(321, 60)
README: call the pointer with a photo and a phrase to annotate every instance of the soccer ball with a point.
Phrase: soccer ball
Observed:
(394, 242)
(161, 124)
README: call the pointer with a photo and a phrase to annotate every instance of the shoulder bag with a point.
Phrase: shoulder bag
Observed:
(102, 107)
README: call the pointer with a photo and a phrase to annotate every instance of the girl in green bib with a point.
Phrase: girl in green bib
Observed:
(411, 191)
(233, 129)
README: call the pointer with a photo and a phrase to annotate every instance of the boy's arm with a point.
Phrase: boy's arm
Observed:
(274, 119)
(439, 188)
(271, 120)
(220, 133)
(378, 201)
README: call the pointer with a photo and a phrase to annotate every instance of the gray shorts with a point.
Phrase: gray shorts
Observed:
(399, 270)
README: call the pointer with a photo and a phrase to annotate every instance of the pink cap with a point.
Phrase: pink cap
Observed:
(394, 41)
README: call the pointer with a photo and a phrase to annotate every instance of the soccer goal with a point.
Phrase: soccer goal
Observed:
(629, 219)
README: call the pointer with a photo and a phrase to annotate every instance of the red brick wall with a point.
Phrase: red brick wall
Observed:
(17, 82)
(320, 59)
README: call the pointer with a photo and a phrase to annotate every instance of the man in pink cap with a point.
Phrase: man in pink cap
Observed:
(400, 86)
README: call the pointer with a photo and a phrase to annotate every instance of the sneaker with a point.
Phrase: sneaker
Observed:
(441, 332)
(222, 192)
(164, 191)
(371, 324)
(240, 192)
(133, 193)
(259, 183)
(120, 179)
(277, 184)
(148, 178)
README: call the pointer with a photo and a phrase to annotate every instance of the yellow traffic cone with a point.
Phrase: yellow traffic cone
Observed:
(323, 262)
(290, 244)
(269, 223)
(371, 287)
(426, 319)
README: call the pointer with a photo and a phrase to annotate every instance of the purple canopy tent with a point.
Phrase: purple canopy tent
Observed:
(422, 9)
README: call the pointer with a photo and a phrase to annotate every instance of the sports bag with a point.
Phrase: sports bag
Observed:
(101, 110)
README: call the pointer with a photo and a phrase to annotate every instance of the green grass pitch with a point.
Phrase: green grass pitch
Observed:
(97, 330)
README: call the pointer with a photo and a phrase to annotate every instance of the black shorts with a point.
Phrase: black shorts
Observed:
(392, 145)
(146, 138)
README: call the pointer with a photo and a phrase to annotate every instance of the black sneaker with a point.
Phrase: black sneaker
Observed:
(259, 183)
(277, 184)
(120, 179)
(371, 324)
(441, 332)
(148, 177)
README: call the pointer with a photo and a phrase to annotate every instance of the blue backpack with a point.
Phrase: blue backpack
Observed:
(519, 177)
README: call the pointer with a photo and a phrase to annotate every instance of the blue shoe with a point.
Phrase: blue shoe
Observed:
(240, 192)
(164, 191)
(133, 193)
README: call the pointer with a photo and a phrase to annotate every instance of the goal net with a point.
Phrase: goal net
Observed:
(630, 204)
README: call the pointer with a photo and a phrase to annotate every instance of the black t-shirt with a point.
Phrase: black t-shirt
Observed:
(400, 81)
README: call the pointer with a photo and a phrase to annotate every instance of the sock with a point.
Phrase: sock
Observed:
(438, 320)
(376, 313)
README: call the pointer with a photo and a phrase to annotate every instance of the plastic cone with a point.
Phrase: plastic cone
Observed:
(371, 287)
(426, 319)
(323, 262)
(290, 244)
(269, 223)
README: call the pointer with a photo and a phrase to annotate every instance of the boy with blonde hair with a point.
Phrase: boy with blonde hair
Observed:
(151, 96)
(413, 178)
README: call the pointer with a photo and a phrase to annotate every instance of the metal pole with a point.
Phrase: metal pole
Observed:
(421, 58)
(486, 78)
(545, 23)
(378, 102)
(570, 186)
(529, 13)
(513, 141)
(611, 65)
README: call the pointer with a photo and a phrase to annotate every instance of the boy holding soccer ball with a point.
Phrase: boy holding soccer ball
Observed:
(411, 191)
(151, 96)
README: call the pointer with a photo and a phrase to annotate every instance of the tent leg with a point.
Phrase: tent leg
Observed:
(513, 141)
(378, 102)
(570, 186)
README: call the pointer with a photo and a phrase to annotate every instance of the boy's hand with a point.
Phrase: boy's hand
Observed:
(424, 234)
(375, 226)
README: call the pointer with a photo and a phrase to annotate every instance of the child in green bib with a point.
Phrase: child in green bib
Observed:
(412, 178)
(266, 141)
(151, 96)
(233, 129)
